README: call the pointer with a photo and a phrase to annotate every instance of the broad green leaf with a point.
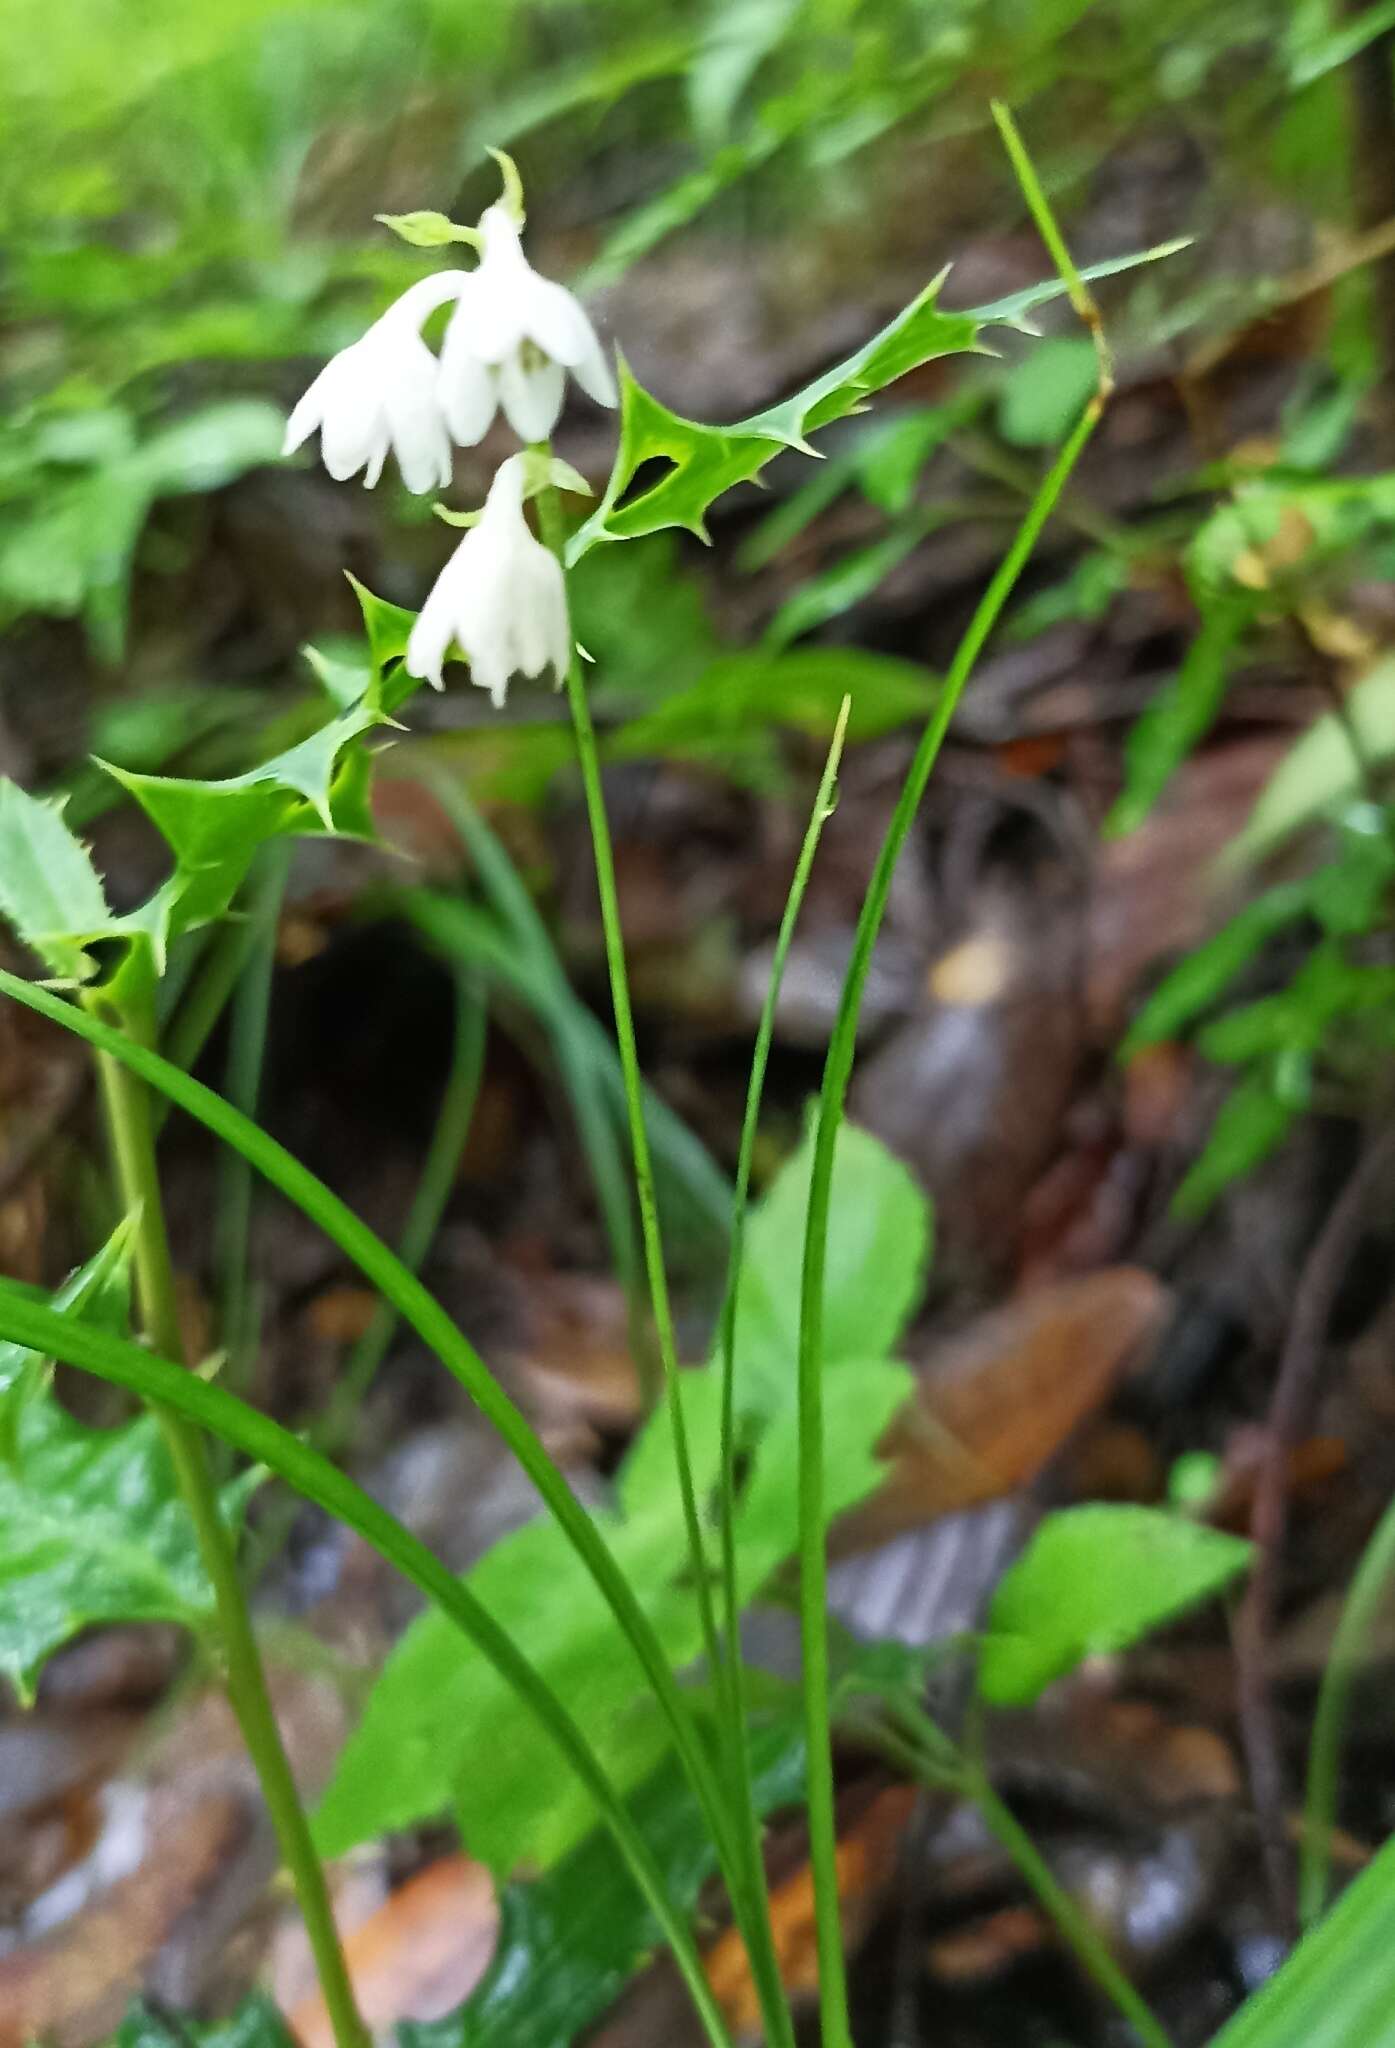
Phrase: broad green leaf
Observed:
(1094, 1580)
(1042, 397)
(879, 1243)
(1323, 767)
(570, 1941)
(92, 1528)
(255, 2024)
(1180, 715)
(1337, 1988)
(73, 552)
(437, 1709)
(49, 889)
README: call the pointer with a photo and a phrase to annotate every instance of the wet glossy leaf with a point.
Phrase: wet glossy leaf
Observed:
(1092, 1581)
(571, 1941)
(92, 1528)
(255, 2024)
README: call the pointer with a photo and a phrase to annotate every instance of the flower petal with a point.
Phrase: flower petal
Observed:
(466, 389)
(432, 634)
(553, 318)
(531, 398)
(418, 431)
(593, 373)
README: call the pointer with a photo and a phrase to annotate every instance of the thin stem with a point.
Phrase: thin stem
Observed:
(1368, 1590)
(426, 1316)
(251, 1003)
(1082, 299)
(1093, 1953)
(209, 994)
(734, 1679)
(210, 1407)
(448, 1137)
(550, 512)
(813, 1576)
(745, 1883)
(127, 1111)
(813, 1560)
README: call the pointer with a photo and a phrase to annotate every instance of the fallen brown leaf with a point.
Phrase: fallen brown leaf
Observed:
(994, 1404)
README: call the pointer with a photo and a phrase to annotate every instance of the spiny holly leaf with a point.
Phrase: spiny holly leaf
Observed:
(215, 828)
(705, 461)
(49, 890)
(92, 1528)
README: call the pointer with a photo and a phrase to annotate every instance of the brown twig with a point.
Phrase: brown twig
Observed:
(1295, 1387)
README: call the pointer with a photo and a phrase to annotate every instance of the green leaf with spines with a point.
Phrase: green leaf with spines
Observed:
(92, 1526)
(1092, 1581)
(49, 890)
(706, 461)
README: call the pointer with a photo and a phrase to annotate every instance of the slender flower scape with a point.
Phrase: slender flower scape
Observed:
(501, 597)
(511, 340)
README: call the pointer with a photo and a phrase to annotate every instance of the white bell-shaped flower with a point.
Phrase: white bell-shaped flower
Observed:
(511, 340)
(501, 597)
(381, 394)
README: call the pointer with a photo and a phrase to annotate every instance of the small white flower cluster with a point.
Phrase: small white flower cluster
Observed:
(510, 343)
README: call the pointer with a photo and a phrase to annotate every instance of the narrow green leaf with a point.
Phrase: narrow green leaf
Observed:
(1180, 715)
(1252, 1122)
(1337, 1989)
(1205, 975)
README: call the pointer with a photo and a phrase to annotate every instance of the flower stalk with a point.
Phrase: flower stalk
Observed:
(126, 1109)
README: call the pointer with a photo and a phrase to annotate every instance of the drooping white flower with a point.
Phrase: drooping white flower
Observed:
(511, 340)
(502, 597)
(380, 393)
